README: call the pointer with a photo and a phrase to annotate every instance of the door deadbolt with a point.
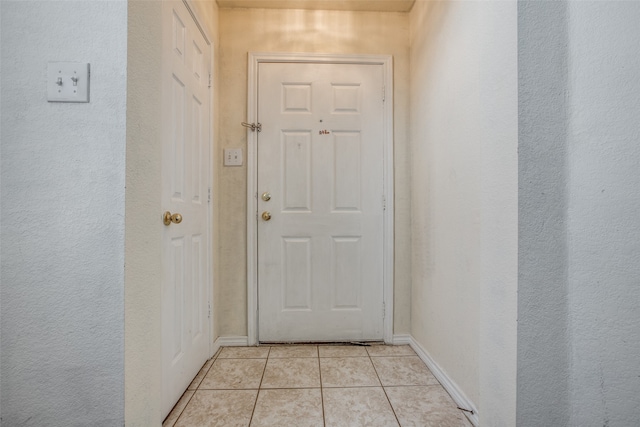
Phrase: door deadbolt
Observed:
(266, 196)
(266, 215)
(168, 218)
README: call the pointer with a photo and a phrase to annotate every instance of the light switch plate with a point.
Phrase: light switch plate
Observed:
(233, 157)
(68, 82)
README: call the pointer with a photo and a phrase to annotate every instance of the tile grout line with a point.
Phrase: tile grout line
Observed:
(324, 420)
(384, 390)
(255, 403)
(214, 358)
(183, 409)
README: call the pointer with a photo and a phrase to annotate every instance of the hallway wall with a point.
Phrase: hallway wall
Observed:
(543, 333)
(579, 311)
(63, 204)
(464, 197)
(309, 31)
(143, 241)
(604, 212)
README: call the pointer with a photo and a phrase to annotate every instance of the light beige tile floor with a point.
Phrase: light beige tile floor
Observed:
(310, 385)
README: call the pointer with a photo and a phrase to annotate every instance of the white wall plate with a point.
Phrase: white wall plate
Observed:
(68, 82)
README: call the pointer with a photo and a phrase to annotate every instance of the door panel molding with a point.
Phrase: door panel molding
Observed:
(255, 58)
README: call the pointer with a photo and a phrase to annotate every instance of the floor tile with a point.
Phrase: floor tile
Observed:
(291, 373)
(284, 387)
(404, 370)
(390, 350)
(348, 372)
(342, 351)
(293, 351)
(198, 379)
(367, 407)
(244, 352)
(177, 410)
(234, 374)
(429, 406)
(291, 407)
(213, 408)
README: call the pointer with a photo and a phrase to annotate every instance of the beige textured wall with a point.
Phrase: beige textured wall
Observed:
(308, 31)
(143, 243)
(207, 12)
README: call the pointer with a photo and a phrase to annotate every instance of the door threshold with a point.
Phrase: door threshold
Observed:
(355, 343)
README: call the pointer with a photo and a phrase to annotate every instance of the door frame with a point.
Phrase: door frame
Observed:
(386, 61)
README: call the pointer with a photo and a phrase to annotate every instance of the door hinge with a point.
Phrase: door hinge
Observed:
(384, 311)
(384, 94)
(209, 306)
(384, 203)
(209, 196)
(209, 80)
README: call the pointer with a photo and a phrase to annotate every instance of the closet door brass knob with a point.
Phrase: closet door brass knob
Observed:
(266, 215)
(168, 218)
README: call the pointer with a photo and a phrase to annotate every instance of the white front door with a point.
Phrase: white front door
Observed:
(185, 187)
(320, 187)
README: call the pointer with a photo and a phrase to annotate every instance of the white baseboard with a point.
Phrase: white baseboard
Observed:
(449, 385)
(237, 341)
(402, 339)
(215, 347)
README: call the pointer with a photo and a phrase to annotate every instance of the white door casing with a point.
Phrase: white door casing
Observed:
(185, 190)
(324, 261)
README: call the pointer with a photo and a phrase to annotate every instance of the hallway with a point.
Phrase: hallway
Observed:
(315, 385)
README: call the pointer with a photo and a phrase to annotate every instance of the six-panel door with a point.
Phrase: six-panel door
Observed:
(185, 172)
(320, 157)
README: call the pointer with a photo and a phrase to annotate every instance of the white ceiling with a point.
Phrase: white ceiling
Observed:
(359, 5)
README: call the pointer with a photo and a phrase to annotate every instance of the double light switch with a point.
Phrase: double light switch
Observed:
(68, 82)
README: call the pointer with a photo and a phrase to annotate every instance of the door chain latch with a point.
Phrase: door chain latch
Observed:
(253, 126)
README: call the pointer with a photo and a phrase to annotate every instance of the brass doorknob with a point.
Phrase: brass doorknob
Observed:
(168, 218)
(266, 215)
